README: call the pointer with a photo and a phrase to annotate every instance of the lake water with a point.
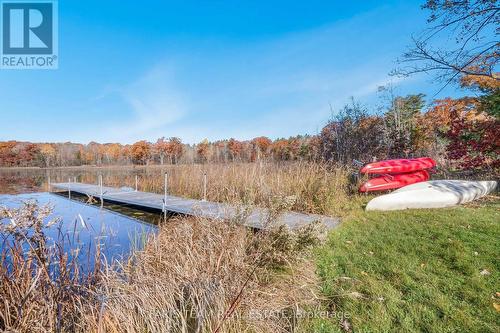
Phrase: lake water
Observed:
(116, 228)
(16, 181)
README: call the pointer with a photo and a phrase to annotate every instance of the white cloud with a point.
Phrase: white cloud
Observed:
(155, 102)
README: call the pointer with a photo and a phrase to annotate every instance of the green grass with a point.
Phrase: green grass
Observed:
(414, 271)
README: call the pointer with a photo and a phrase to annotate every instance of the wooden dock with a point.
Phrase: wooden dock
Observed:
(255, 217)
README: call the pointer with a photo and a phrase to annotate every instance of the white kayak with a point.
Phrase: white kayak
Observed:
(433, 194)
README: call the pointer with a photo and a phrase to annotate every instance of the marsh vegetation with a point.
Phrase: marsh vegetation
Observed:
(197, 275)
(192, 276)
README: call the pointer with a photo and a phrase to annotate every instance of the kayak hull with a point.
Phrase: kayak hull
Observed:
(399, 166)
(391, 182)
(433, 194)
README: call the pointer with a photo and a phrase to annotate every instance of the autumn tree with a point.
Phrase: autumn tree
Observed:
(431, 128)
(113, 152)
(202, 150)
(175, 148)
(488, 90)
(86, 155)
(127, 153)
(221, 154)
(7, 154)
(235, 148)
(48, 153)
(141, 152)
(310, 148)
(261, 146)
(94, 151)
(28, 154)
(101, 153)
(474, 141)
(280, 150)
(400, 122)
(489, 102)
(352, 134)
(294, 145)
(473, 126)
(161, 148)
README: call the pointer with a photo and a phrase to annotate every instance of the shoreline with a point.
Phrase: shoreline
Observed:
(91, 167)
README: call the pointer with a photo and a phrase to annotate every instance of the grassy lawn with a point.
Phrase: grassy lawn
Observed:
(415, 271)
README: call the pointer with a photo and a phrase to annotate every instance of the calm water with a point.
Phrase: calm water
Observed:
(16, 181)
(115, 227)
(86, 225)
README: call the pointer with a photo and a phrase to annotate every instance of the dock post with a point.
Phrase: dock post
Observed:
(74, 179)
(136, 182)
(205, 186)
(69, 188)
(165, 187)
(100, 187)
(48, 183)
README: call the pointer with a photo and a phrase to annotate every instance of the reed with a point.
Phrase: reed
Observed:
(193, 275)
(42, 287)
(314, 187)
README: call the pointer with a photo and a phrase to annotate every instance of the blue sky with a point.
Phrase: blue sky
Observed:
(131, 70)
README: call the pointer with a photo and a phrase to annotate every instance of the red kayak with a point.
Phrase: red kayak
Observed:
(390, 182)
(399, 166)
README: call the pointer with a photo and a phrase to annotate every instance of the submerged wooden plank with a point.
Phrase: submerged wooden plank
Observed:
(255, 217)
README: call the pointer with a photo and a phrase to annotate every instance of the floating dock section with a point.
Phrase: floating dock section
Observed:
(254, 217)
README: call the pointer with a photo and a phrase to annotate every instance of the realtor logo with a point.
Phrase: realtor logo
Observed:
(29, 34)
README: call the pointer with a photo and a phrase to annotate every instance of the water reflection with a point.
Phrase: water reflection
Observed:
(16, 181)
(85, 226)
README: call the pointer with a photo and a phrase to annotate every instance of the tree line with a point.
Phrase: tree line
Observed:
(163, 151)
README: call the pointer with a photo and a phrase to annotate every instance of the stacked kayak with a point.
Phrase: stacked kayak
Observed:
(398, 166)
(394, 174)
(390, 182)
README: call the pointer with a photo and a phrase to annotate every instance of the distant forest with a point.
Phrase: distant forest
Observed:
(459, 133)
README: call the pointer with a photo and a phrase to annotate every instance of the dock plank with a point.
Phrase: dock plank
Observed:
(254, 218)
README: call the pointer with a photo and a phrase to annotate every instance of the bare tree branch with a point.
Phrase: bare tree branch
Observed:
(474, 25)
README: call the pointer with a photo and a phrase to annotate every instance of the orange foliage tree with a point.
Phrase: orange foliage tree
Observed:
(7, 155)
(202, 150)
(48, 153)
(235, 148)
(261, 147)
(141, 152)
(113, 152)
(175, 148)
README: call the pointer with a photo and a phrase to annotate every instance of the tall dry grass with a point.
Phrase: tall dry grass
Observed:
(210, 282)
(194, 275)
(315, 188)
(42, 286)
